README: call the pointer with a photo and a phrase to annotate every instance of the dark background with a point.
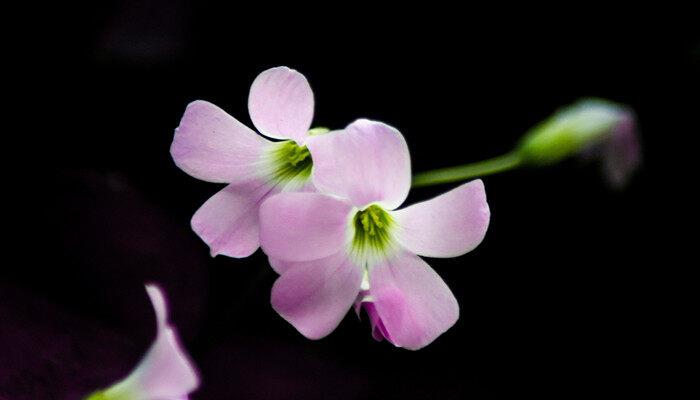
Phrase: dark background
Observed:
(566, 295)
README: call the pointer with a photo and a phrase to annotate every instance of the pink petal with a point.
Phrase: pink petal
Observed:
(228, 221)
(414, 304)
(449, 225)
(281, 266)
(165, 372)
(159, 305)
(315, 295)
(281, 104)
(367, 162)
(622, 152)
(278, 265)
(303, 226)
(379, 332)
(213, 146)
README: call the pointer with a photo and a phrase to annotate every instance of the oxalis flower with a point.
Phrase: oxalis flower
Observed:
(165, 372)
(213, 146)
(350, 245)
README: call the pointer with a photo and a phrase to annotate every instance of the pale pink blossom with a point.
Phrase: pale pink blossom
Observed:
(211, 145)
(349, 244)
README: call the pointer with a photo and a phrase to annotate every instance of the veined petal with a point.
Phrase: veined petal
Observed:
(165, 372)
(281, 104)
(414, 304)
(314, 296)
(213, 146)
(367, 162)
(449, 225)
(303, 226)
(228, 222)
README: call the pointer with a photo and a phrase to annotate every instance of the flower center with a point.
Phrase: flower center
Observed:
(372, 233)
(291, 164)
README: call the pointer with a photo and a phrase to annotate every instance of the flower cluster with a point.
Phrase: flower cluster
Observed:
(324, 209)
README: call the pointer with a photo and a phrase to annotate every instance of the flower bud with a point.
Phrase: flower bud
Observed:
(594, 127)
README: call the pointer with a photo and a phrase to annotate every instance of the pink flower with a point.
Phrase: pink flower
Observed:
(165, 372)
(211, 145)
(349, 245)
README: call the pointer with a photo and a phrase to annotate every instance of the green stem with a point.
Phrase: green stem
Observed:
(491, 166)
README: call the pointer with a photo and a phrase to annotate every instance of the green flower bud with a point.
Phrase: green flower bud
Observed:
(570, 130)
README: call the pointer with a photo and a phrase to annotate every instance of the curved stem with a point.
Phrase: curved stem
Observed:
(491, 166)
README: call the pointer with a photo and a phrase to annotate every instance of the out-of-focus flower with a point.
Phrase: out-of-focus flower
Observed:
(591, 127)
(349, 245)
(165, 372)
(213, 146)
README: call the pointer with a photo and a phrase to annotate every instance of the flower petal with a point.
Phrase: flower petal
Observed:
(414, 304)
(303, 226)
(449, 225)
(367, 162)
(281, 104)
(159, 305)
(378, 330)
(314, 296)
(281, 266)
(622, 153)
(213, 146)
(228, 221)
(165, 372)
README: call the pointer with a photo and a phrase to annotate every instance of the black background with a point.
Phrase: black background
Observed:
(565, 295)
